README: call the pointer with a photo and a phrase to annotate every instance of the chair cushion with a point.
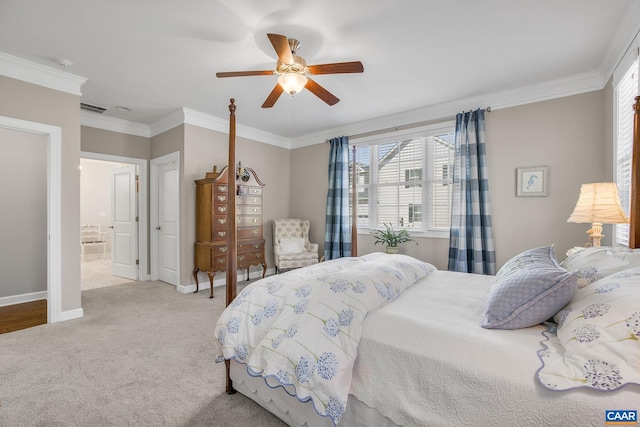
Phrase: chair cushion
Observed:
(298, 256)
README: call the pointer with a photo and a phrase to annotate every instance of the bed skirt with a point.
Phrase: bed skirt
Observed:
(295, 413)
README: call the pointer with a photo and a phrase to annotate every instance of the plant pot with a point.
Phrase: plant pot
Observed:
(392, 249)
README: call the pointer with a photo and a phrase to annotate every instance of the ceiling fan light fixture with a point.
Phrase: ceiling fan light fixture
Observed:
(292, 83)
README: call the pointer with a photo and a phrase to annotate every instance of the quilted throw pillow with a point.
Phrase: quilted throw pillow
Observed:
(597, 340)
(597, 262)
(529, 289)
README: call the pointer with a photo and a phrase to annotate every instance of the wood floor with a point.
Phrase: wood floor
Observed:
(21, 316)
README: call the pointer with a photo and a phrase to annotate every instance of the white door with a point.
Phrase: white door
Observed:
(168, 223)
(124, 247)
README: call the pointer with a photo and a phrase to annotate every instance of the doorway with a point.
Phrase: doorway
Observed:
(113, 220)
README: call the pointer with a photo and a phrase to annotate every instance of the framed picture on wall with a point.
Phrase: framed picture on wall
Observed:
(532, 181)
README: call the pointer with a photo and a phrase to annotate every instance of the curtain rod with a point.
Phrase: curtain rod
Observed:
(403, 127)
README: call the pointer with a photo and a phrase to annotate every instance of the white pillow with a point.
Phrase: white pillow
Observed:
(596, 263)
(292, 246)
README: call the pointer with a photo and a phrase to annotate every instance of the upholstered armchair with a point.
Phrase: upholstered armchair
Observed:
(291, 246)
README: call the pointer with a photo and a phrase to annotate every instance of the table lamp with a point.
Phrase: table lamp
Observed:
(598, 204)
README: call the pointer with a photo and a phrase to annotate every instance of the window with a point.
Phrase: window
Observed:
(626, 88)
(405, 183)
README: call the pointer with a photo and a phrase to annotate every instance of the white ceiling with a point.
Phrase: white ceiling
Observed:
(156, 56)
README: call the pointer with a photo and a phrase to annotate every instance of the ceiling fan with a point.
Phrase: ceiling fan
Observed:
(294, 71)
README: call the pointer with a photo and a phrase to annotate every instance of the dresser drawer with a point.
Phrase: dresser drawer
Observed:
(248, 200)
(219, 262)
(250, 258)
(249, 220)
(254, 246)
(249, 210)
(220, 221)
(249, 233)
(220, 198)
(219, 234)
(220, 209)
(220, 188)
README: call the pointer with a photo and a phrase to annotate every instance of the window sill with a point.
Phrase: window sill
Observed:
(431, 234)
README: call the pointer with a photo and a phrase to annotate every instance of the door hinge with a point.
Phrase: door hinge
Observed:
(137, 219)
(137, 262)
(137, 183)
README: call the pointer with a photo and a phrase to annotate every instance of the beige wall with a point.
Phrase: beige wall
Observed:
(205, 149)
(94, 140)
(570, 135)
(35, 103)
(566, 134)
(23, 216)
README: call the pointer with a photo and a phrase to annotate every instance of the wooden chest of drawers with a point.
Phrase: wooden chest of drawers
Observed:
(212, 224)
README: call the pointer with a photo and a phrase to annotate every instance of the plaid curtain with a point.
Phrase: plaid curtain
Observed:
(337, 231)
(471, 243)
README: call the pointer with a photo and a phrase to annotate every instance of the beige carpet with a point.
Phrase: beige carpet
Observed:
(96, 273)
(142, 355)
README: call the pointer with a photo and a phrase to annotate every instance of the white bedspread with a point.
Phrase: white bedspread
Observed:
(302, 328)
(424, 360)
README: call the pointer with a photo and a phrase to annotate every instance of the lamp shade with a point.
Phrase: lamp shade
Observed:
(598, 202)
(293, 82)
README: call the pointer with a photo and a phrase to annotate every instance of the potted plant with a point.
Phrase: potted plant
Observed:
(391, 238)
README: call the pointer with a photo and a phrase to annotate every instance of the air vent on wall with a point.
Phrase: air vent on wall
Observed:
(93, 108)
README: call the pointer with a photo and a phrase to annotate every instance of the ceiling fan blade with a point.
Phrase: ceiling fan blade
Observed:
(321, 92)
(281, 45)
(245, 73)
(337, 68)
(273, 96)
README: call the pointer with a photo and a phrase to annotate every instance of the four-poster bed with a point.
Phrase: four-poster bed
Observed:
(440, 352)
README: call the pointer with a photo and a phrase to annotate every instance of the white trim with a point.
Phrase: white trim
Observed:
(54, 208)
(572, 85)
(154, 207)
(30, 72)
(95, 120)
(581, 83)
(71, 314)
(196, 118)
(143, 197)
(22, 298)
(222, 280)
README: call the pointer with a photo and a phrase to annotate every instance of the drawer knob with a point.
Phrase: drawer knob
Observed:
(222, 188)
(222, 208)
(223, 249)
(222, 233)
(222, 221)
(222, 198)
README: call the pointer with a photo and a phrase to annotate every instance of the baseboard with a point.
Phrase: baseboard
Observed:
(222, 281)
(71, 314)
(19, 299)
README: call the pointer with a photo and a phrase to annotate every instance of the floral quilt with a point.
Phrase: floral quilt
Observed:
(303, 327)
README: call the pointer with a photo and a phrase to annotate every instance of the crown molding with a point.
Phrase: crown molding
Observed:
(95, 120)
(196, 118)
(580, 83)
(30, 72)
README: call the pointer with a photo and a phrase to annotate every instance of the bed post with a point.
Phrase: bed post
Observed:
(354, 207)
(634, 214)
(232, 246)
